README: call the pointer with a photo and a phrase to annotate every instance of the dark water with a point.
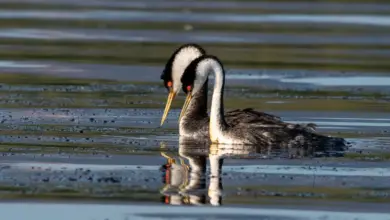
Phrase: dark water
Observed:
(93, 148)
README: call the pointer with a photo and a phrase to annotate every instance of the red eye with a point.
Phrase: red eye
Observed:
(169, 84)
(189, 88)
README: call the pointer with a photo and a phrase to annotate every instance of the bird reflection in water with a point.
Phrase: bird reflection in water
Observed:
(185, 183)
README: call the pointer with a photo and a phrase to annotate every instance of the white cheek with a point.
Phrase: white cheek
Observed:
(177, 88)
(182, 60)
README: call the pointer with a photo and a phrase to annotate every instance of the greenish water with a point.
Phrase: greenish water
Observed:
(80, 96)
(124, 33)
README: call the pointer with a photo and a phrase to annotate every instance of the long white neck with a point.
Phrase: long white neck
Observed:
(217, 120)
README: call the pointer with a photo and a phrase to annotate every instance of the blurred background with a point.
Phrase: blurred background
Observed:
(80, 84)
(110, 52)
(132, 40)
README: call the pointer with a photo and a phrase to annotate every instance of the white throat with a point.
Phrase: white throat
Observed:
(217, 122)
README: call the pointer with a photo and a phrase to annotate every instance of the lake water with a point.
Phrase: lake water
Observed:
(81, 102)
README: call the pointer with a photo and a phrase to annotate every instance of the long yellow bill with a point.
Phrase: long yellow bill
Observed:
(171, 96)
(185, 106)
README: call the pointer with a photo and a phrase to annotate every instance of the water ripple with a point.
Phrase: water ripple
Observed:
(183, 37)
(376, 20)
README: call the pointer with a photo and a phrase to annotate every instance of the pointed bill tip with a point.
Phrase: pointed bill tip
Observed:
(171, 96)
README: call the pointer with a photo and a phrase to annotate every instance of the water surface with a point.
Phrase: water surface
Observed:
(94, 133)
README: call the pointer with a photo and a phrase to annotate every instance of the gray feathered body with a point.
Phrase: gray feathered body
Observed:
(256, 128)
(195, 122)
(284, 135)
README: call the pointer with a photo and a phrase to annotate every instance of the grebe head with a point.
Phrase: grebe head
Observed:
(196, 75)
(174, 70)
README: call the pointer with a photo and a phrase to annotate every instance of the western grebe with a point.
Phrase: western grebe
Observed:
(254, 130)
(194, 123)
